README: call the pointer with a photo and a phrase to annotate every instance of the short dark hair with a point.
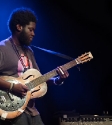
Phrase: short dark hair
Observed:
(22, 16)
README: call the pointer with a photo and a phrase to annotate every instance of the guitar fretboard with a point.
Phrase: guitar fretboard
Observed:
(49, 75)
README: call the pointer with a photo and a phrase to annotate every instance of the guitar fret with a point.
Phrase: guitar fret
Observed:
(69, 65)
(28, 85)
(34, 84)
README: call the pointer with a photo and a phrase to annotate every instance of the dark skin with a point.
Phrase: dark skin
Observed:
(26, 34)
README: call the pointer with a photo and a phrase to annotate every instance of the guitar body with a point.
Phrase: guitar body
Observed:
(12, 106)
(30, 75)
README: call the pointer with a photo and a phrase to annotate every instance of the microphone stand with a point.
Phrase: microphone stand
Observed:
(54, 53)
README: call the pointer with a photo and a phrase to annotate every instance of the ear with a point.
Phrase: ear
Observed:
(19, 27)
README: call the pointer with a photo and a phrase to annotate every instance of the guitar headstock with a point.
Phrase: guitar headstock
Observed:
(84, 58)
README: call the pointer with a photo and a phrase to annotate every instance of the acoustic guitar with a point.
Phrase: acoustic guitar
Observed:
(12, 106)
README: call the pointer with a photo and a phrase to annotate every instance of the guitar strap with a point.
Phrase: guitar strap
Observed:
(19, 56)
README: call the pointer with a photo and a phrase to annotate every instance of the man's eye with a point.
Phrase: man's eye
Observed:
(30, 29)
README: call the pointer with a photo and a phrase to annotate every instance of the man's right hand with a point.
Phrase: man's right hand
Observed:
(19, 89)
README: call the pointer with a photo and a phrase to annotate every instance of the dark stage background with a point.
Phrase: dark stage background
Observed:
(71, 27)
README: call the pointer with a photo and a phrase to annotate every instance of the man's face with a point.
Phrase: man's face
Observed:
(27, 34)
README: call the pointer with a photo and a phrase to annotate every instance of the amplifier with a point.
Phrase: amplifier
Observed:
(85, 120)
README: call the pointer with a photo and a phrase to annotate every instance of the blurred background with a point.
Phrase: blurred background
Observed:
(71, 27)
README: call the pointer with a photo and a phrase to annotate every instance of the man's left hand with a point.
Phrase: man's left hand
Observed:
(63, 74)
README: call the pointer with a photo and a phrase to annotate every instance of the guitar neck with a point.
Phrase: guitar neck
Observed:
(81, 59)
(49, 75)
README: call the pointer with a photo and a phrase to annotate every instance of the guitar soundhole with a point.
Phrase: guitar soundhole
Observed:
(28, 77)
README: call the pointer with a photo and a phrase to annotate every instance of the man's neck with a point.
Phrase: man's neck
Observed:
(15, 40)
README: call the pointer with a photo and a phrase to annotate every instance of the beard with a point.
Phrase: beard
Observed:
(24, 38)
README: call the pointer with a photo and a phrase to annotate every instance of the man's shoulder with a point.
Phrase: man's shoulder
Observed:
(4, 42)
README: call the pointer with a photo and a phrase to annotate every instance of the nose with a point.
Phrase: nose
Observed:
(33, 33)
